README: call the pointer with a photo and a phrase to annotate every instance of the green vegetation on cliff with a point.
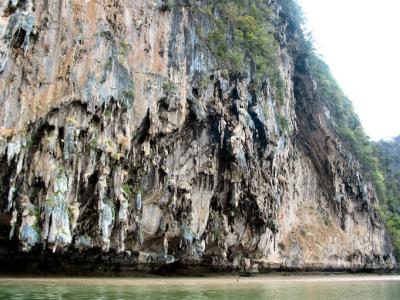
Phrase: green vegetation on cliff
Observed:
(348, 124)
(389, 157)
(393, 225)
(243, 33)
(238, 38)
(379, 162)
(389, 154)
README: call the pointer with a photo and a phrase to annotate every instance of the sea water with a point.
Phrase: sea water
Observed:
(226, 288)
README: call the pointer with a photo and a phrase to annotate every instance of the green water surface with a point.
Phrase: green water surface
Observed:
(260, 290)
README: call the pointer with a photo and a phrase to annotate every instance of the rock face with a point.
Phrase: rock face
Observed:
(124, 146)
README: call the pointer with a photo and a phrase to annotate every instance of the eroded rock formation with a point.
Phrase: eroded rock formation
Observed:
(123, 144)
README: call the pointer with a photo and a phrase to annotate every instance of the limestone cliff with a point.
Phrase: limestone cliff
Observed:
(124, 145)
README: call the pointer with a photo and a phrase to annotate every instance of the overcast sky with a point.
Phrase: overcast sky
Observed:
(360, 41)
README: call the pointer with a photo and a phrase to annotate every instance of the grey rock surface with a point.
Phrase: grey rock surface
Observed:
(111, 153)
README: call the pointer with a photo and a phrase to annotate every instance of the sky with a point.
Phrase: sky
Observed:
(360, 41)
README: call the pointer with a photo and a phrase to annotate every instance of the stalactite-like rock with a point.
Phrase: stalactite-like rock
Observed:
(122, 139)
